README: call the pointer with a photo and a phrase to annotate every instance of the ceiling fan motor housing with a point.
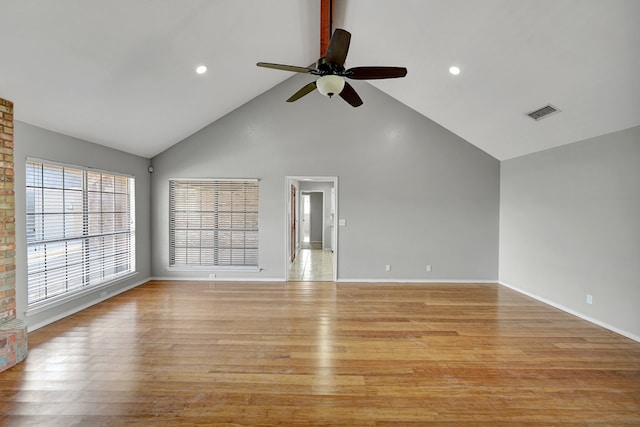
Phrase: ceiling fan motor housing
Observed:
(324, 68)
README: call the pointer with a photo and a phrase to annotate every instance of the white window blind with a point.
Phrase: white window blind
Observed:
(213, 223)
(80, 229)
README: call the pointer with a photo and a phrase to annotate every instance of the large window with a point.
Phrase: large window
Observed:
(80, 229)
(213, 223)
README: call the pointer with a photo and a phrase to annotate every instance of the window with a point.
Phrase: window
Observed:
(213, 223)
(80, 229)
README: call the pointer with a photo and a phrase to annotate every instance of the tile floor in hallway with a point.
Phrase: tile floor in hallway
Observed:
(312, 265)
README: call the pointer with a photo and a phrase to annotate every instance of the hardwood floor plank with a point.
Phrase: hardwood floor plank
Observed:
(314, 353)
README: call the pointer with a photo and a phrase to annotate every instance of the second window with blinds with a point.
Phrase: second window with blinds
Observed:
(213, 224)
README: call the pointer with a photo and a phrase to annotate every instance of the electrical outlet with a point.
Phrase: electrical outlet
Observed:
(387, 267)
(589, 299)
(429, 267)
(103, 294)
(212, 276)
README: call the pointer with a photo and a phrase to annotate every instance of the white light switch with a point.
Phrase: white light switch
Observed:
(342, 222)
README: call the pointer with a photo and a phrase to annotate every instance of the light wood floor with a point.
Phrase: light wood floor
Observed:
(200, 353)
(312, 265)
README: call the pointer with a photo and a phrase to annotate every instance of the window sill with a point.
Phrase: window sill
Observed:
(45, 305)
(230, 269)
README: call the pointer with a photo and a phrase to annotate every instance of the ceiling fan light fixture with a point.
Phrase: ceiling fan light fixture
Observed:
(330, 85)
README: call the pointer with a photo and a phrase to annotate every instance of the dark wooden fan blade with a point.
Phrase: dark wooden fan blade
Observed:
(370, 73)
(338, 47)
(302, 92)
(349, 94)
(292, 68)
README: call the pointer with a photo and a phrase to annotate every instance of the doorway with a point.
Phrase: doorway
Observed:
(305, 214)
(311, 228)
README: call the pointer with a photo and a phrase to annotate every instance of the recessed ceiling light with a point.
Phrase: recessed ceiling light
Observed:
(201, 69)
(454, 70)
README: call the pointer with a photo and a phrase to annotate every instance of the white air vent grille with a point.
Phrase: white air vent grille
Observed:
(543, 112)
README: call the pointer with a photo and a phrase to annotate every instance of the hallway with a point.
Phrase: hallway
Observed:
(312, 265)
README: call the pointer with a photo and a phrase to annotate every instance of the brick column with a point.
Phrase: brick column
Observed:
(13, 332)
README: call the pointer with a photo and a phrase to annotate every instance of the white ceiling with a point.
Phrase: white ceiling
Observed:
(121, 72)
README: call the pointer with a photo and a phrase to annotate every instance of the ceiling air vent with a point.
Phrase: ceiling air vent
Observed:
(543, 112)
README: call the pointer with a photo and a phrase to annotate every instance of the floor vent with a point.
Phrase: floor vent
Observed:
(543, 112)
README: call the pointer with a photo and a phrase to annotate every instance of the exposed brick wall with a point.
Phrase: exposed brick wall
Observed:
(13, 332)
(7, 215)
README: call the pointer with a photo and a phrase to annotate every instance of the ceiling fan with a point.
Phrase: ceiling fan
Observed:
(331, 70)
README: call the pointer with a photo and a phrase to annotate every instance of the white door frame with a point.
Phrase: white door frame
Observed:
(289, 180)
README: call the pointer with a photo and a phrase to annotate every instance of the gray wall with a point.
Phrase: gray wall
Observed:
(412, 192)
(31, 141)
(570, 226)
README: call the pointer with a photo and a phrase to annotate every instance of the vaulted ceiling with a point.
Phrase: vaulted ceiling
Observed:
(122, 72)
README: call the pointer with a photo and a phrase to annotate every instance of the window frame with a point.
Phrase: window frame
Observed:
(47, 226)
(180, 262)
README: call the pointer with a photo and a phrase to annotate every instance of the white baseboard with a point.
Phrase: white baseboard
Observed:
(282, 279)
(572, 312)
(417, 281)
(222, 279)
